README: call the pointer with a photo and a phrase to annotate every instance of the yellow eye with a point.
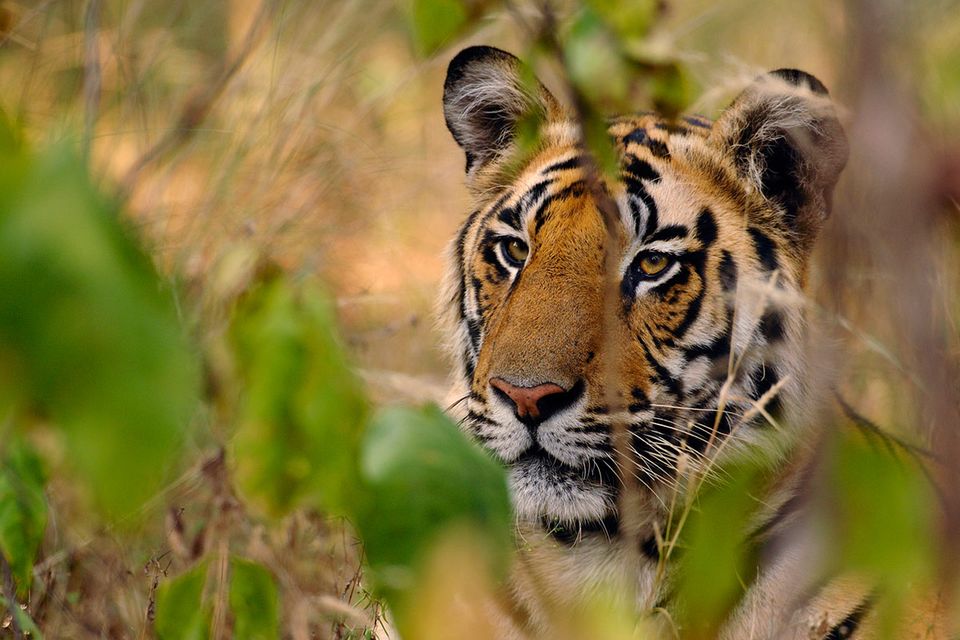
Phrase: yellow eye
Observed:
(654, 264)
(515, 251)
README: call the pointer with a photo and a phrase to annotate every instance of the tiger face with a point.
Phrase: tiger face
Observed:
(677, 323)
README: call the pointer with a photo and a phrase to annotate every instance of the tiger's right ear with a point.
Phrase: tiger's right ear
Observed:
(486, 95)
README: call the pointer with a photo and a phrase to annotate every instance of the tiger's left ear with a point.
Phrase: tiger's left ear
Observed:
(487, 93)
(785, 138)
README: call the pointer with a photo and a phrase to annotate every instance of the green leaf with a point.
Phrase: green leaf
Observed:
(181, 612)
(882, 520)
(434, 22)
(254, 601)
(672, 89)
(9, 137)
(90, 338)
(23, 619)
(297, 442)
(885, 517)
(628, 18)
(715, 561)
(424, 477)
(598, 142)
(595, 63)
(23, 510)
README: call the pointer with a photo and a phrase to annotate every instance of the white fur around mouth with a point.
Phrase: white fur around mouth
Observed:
(541, 489)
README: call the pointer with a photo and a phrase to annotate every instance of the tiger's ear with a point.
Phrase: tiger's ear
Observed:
(785, 139)
(486, 95)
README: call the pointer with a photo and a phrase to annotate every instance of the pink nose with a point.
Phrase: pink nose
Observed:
(525, 399)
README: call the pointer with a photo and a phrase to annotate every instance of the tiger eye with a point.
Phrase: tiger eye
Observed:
(653, 263)
(517, 251)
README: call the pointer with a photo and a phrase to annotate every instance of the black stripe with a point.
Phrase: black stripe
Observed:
(719, 348)
(650, 548)
(570, 534)
(673, 385)
(510, 216)
(700, 434)
(846, 627)
(771, 326)
(670, 232)
(636, 188)
(490, 243)
(649, 456)
(706, 228)
(765, 248)
(657, 148)
(534, 194)
(789, 507)
(480, 418)
(563, 165)
(460, 251)
(764, 378)
(696, 259)
(673, 128)
(641, 169)
(727, 271)
(495, 209)
(473, 329)
(468, 361)
(573, 189)
(799, 78)
(697, 122)
(513, 215)
(691, 315)
(637, 136)
(653, 217)
(477, 288)
(636, 213)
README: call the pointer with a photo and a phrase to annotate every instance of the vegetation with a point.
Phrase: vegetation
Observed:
(220, 236)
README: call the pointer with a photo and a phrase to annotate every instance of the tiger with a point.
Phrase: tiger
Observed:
(692, 354)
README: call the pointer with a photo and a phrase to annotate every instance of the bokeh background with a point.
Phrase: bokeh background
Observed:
(311, 134)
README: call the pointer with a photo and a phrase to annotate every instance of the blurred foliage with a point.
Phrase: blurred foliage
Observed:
(596, 64)
(611, 59)
(411, 478)
(182, 611)
(883, 520)
(631, 21)
(715, 561)
(91, 338)
(92, 341)
(435, 22)
(23, 509)
(254, 601)
(302, 411)
(423, 477)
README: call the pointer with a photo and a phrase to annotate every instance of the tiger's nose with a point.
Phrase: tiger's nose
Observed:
(532, 404)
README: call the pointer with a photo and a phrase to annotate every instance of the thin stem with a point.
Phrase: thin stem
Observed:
(10, 595)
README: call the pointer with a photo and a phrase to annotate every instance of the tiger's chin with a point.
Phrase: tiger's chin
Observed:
(548, 492)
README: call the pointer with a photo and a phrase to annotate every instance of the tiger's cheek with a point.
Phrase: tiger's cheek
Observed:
(661, 316)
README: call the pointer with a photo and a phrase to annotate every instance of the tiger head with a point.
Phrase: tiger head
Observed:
(680, 319)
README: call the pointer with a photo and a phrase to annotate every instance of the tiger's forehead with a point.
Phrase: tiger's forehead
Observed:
(668, 172)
